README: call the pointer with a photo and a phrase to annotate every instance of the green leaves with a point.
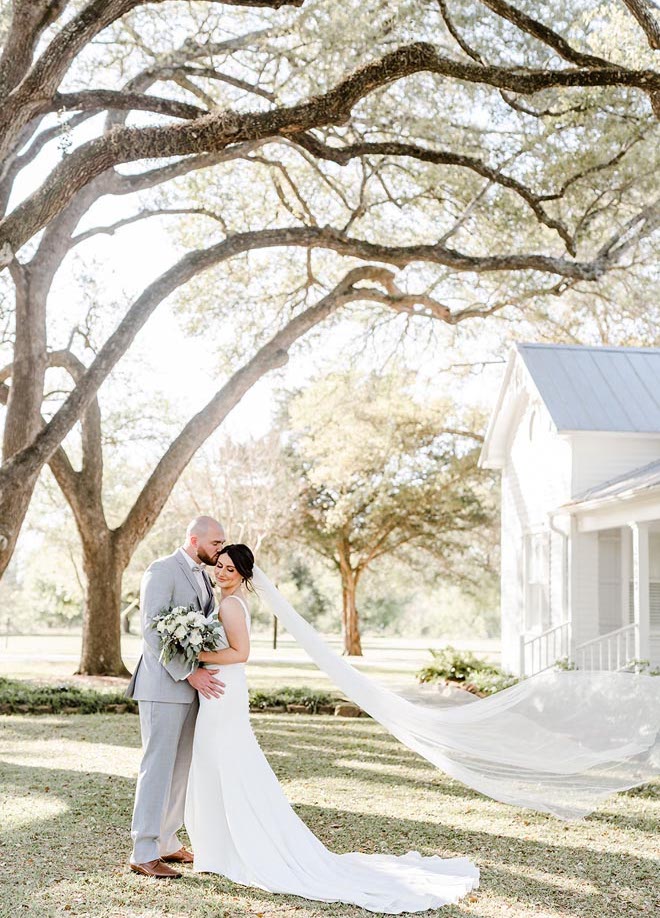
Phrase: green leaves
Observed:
(452, 665)
(379, 470)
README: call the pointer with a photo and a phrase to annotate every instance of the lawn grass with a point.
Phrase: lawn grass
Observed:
(393, 661)
(66, 792)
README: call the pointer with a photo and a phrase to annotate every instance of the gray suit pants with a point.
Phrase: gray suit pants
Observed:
(167, 738)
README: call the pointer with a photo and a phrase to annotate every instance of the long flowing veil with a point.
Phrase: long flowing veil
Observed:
(558, 742)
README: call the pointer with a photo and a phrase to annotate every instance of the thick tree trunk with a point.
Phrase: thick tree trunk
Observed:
(13, 507)
(352, 642)
(23, 417)
(349, 617)
(107, 552)
(101, 643)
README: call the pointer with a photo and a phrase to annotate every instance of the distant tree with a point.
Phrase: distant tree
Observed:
(382, 475)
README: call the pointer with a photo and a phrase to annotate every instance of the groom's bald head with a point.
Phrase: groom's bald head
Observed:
(201, 525)
(205, 538)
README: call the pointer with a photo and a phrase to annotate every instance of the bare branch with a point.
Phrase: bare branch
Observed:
(100, 99)
(544, 34)
(19, 106)
(591, 170)
(142, 181)
(92, 453)
(112, 228)
(645, 17)
(344, 154)
(210, 74)
(29, 21)
(642, 224)
(455, 34)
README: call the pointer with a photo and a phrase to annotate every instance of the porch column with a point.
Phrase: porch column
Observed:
(626, 574)
(640, 545)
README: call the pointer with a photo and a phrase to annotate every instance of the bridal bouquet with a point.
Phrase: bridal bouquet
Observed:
(185, 631)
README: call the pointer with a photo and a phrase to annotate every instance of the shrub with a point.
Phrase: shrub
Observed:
(311, 698)
(564, 664)
(21, 697)
(463, 667)
(642, 666)
(16, 695)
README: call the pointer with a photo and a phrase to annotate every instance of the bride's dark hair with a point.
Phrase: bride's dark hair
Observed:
(243, 560)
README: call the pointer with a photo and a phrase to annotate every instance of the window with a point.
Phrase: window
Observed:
(537, 581)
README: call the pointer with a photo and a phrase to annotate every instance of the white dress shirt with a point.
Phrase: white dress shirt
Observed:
(197, 574)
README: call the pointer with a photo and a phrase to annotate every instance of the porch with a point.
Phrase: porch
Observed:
(612, 615)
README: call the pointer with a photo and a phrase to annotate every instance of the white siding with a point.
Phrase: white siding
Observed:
(535, 480)
(598, 457)
(543, 470)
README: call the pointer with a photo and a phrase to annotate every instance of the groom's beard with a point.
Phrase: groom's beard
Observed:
(205, 558)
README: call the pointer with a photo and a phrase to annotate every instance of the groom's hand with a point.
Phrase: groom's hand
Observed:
(206, 683)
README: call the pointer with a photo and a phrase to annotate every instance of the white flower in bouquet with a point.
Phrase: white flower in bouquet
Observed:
(185, 631)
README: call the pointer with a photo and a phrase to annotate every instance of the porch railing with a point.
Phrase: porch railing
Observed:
(543, 650)
(612, 651)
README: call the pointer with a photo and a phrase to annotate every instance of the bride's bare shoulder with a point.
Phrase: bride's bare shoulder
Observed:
(226, 603)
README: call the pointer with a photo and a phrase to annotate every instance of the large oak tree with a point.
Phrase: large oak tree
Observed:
(445, 140)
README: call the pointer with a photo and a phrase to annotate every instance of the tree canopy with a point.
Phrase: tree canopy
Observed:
(383, 475)
(445, 162)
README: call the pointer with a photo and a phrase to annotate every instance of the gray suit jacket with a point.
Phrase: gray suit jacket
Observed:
(167, 582)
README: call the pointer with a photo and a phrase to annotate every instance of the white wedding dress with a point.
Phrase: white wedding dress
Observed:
(242, 826)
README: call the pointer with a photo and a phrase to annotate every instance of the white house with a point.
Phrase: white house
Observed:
(576, 434)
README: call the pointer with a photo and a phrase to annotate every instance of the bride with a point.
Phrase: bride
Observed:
(239, 821)
(559, 742)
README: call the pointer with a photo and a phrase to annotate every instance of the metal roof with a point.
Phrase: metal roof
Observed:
(609, 389)
(630, 484)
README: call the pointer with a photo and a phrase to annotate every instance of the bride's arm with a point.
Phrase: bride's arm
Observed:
(233, 620)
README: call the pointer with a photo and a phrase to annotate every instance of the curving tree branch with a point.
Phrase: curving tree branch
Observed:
(218, 130)
(87, 100)
(346, 153)
(28, 460)
(544, 34)
(19, 106)
(642, 12)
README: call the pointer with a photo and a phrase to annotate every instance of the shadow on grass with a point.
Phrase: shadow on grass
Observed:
(81, 852)
(125, 730)
(77, 857)
(314, 745)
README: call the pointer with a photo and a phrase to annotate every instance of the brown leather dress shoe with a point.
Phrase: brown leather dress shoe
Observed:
(182, 856)
(156, 869)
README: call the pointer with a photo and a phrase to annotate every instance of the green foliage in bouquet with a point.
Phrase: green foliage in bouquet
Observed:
(185, 631)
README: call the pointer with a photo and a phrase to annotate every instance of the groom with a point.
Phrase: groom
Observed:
(167, 698)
